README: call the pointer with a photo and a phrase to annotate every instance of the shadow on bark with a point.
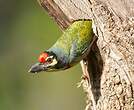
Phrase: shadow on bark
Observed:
(95, 67)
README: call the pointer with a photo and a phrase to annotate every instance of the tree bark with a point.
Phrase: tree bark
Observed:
(110, 63)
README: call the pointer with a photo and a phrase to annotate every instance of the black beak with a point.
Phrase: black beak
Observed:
(38, 67)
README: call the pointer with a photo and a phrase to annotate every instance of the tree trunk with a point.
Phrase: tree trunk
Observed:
(110, 63)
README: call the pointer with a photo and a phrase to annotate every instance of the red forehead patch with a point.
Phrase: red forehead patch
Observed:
(42, 57)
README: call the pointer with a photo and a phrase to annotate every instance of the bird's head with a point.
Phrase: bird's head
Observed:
(47, 61)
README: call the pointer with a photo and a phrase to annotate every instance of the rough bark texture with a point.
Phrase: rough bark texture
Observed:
(110, 64)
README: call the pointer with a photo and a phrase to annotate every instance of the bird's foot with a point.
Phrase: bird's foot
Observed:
(84, 79)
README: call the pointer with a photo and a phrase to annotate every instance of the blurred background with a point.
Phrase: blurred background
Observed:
(25, 31)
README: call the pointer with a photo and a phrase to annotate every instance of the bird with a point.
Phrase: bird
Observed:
(69, 49)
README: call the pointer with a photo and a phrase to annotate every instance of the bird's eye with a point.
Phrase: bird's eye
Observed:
(49, 60)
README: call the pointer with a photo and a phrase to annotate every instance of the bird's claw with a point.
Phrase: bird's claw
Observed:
(83, 79)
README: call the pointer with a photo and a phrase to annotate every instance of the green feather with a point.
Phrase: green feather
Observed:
(75, 41)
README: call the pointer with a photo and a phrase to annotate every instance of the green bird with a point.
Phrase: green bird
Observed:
(68, 50)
